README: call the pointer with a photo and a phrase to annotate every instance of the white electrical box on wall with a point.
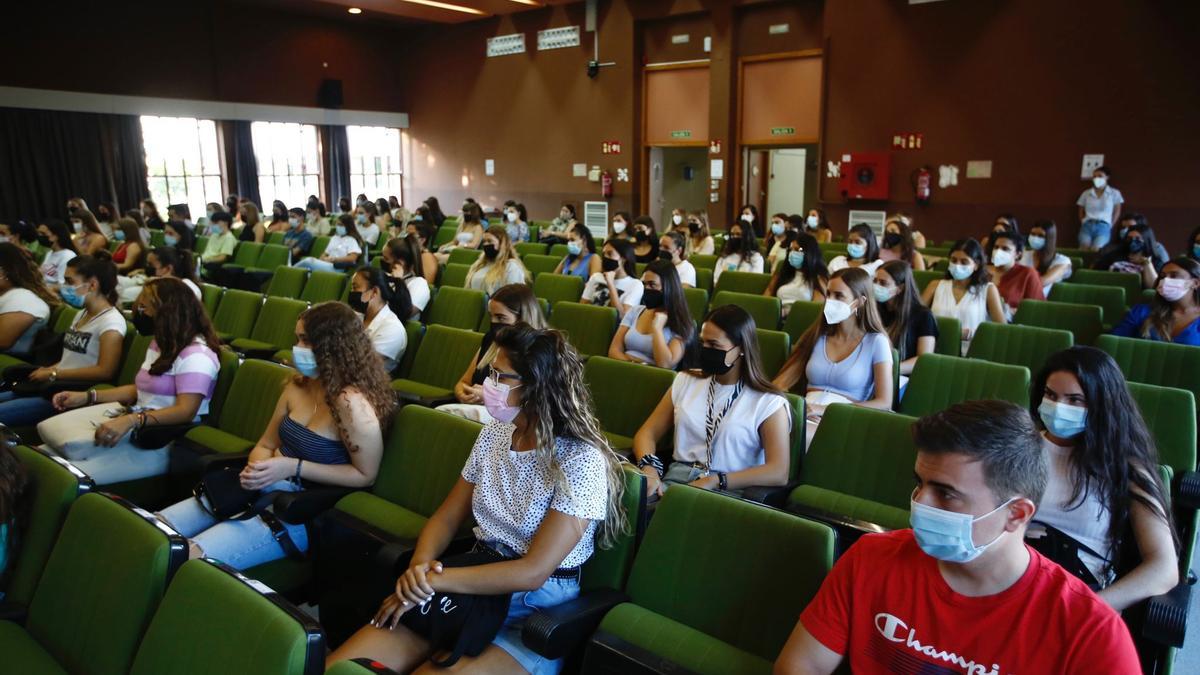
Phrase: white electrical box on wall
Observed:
(558, 38)
(595, 218)
(503, 45)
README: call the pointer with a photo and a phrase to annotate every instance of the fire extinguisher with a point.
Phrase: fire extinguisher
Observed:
(606, 184)
(922, 182)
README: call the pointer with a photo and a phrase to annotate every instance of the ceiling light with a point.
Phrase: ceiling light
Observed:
(527, 2)
(446, 5)
(354, 10)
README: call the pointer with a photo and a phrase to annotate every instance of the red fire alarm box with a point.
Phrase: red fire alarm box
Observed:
(866, 175)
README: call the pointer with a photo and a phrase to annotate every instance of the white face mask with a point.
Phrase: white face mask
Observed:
(1099, 182)
(812, 222)
(747, 218)
(618, 227)
(677, 219)
(836, 311)
(512, 216)
(1002, 258)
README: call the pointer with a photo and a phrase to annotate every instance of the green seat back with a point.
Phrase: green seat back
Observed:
(540, 264)
(275, 238)
(743, 282)
(455, 274)
(276, 322)
(922, 278)
(800, 317)
(526, 247)
(252, 396)
(416, 331)
(609, 568)
(53, 486)
(226, 619)
(444, 355)
(323, 287)
(763, 309)
(697, 537)
(697, 302)
(773, 349)
(555, 288)
(1110, 299)
(287, 282)
(1170, 414)
(1131, 283)
(589, 328)
(64, 319)
(157, 238)
(1153, 362)
(464, 256)
(624, 393)
(210, 295)
(703, 262)
(1017, 345)
(425, 453)
(272, 256)
(319, 246)
(457, 307)
(237, 312)
(247, 253)
(228, 363)
(559, 251)
(136, 345)
(938, 382)
(704, 279)
(201, 244)
(445, 235)
(102, 583)
(949, 339)
(1085, 322)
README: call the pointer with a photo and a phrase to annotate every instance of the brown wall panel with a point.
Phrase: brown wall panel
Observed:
(781, 93)
(676, 101)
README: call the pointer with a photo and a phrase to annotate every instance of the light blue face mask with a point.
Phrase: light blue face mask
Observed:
(882, 293)
(341, 230)
(71, 296)
(856, 250)
(169, 240)
(119, 235)
(1037, 243)
(947, 535)
(574, 248)
(1062, 420)
(961, 272)
(777, 228)
(361, 219)
(305, 362)
(796, 259)
(214, 230)
(1196, 251)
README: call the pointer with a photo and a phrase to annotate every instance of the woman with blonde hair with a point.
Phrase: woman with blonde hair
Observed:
(497, 264)
(130, 255)
(700, 240)
(89, 239)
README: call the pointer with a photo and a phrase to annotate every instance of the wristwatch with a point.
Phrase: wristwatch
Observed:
(722, 481)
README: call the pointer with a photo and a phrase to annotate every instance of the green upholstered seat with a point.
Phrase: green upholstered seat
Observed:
(416, 332)
(800, 317)
(457, 307)
(1084, 321)
(1110, 299)
(323, 286)
(213, 618)
(136, 346)
(287, 282)
(319, 245)
(102, 583)
(922, 278)
(703, 262)
(210, 295)
(236, 314)
(773, 347)
(441, 359)
(273, 255)
(454, 274)
(555, 288)
(464, 256)
(201, 245)
(248, 407)
(763, 309)
(527, 247)
(274, 329)
(743, 282)
(589, 328)
(1130, 283)
(949, 339)
(859, 467)
(697, 302)
(445, 234)
(1154, 362)
(275, 238)
(245, 255)
(938, 382)
(559, 251)
(624, 395)
(1170, 415)
(1017, 345)
(538, 264)
(680, 618)
(704, 279)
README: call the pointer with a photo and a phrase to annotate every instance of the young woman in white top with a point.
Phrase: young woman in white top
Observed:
(672, 247)
(898, 245)
(164, 261)
(365, 223)
(861, 251)
(801, 275)
(659, 330)
(619, 227)
(91, 347)
(497, 264)
(777, 240)
(402, 260)
(967, 293)
(25, 301)
(730, 423)
(89, 239)
(1042, 254)
(382, 302)
(700, 240)
(616, 285)
(469, 235)
(55, 236)
(1104, 481)
(344, 251)
(740, 253)
(543, 486)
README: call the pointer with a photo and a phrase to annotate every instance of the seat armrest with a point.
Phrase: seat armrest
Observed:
(438, 401)
(1189, 491)
(303, 506)
(1166, 616)
(556, 631)
(12, 611)
(264, 354)
(771, 495)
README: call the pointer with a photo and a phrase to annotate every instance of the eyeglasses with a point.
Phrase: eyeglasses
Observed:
(508, 379)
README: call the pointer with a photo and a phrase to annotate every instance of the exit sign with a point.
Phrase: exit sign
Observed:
(682, 133)
(783, 131)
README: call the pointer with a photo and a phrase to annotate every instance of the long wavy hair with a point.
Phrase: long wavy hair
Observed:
(813, 271)
(1044, 259)
(496, 268)
(346, 360)
(557, 401)
(22, 272)
(178, 320)
(1114, 458)
(1162, 313)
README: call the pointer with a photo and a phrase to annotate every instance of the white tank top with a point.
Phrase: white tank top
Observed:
(970, 311)
(1086, 523)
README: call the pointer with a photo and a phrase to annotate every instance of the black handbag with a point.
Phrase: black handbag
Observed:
(228, 500)
(460, 624)
(1063, 549)
(159, 435)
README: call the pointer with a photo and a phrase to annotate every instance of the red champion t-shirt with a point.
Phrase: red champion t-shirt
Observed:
(886, 606)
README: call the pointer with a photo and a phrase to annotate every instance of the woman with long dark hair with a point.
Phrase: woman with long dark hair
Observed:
(90, 240)
(861, 251)
(801, 275)
(422, 235)
(25, 301)
(1174, 314)
(740, 252)
(55, 236)
(967, 293)
(435, 211)
(616, 285)
(382, 302)
(659, 330)
(1041, 253)
(581, 259)
(1104, 480)
(898, 244)
(403, 262)
(910, 326)
(1134, 254)
(1014, 281)
(730, 422)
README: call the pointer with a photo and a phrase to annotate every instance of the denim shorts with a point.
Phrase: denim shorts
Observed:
(1094, 233)
(522, 605)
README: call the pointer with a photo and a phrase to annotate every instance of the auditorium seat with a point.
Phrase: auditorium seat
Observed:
(922, 278)
(1130, 283)
(455, 275)
(589, 328)
(555, 288)
(763, 309)
(442, 358)
(937, 382)
(774, 347)
(1154, 362)
(1085, 322)
(246, 255)
(800, 317)
(703, 262)
(287, 282)
(319, 245)
(949, 339)
(540, 264)
(210, 295)
(1110, 299)
(697, 302)
(457, 307)
(704, 279)
(324, 286)
(624, 395)
(445, 234)
(272, 257)
(1018, 345)
(236, 314)
(559, 251)
(464, 256)
(742, 282)
(248, 407)
(526, 247)
(275, 329)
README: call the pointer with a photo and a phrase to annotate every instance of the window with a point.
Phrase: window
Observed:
(182, 166)
(375, 168)
(288, 166)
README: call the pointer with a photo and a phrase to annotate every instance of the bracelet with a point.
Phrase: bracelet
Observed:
(54, 375)
(296, 478)
(722, 481)
(91, 397)
(652, 460)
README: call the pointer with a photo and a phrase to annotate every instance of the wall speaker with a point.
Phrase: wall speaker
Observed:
(330, 94)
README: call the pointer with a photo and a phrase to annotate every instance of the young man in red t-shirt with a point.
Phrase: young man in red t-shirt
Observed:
(961, 592)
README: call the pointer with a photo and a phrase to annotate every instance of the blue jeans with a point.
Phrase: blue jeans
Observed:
(316, 265)
(1094, 233)
(24, 411)
(522, 605)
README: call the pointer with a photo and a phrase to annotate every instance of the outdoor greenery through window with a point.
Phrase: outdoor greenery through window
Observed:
(182, 165)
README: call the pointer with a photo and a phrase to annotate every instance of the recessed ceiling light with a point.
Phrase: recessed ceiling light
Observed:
(446, 5)
(354, 10)
(535, 3)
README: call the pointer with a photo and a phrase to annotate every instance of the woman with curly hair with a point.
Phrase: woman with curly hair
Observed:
(25, 301)
(327, 429)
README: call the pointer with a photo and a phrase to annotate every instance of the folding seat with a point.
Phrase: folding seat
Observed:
(540, 264)
(319, 246)
(287, 282)
(676, 620)
(828, 254)
(273, 256)
(763, 309)
(246, 255)
(559, 251)
(201, 244)
(704, 279)
(442, 358)
(589, 328)
(236, 314)
(464, 256)
(274, 238)
(1110, 299)
(937, 382)
(210, 295)
(454, 274)
(703, 262)
(1153, 362)
(949, 339)
(324, 286)
(1017, 345)
(774, 347)
(213, 617)
(558, 287)
(416, 331)
(99, 588)
(624, 395)
(445, 234)
(697, 302)
(457, 308)
(743, 282)
(275, 329)
(526, 247)
(248, 406)
(157, 238)
(1084, 321)
(800, 317)
(922, 278)
(1131, 283)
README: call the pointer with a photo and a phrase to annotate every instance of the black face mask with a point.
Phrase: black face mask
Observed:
(490, 252)
(1137, 245)
(712, 361)
(356, 302)
(652, 299)
(665, 255)
(143, 323)
(609, 264)
(44, 241)
(892, 240)
(72, 209)
(694, 227)
(640, 236)
(151, 272)
(734, 243)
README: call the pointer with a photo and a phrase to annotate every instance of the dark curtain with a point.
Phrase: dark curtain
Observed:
(47, 156)
(337, 164)
(245, 165)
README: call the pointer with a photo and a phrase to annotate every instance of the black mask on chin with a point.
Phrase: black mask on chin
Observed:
(143, 323)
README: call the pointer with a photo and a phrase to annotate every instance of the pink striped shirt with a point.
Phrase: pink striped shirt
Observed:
(193, 372)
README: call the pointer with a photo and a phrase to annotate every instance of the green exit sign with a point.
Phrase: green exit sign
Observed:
(783, 131)
(683, 133)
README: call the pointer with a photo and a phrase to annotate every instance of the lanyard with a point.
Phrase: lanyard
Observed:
(711, 425)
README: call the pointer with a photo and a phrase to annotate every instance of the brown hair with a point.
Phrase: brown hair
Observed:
(499, 266)
(519, 300)
(22, 272)
(739, 326)
(178, 321)
(89, 221)
(1162, 313)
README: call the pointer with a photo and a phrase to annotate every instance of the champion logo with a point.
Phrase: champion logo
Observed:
(893, 629)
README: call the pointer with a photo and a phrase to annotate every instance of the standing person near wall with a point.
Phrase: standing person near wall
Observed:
(1099, 207)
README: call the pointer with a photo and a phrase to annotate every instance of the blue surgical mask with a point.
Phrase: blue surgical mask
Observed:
(946, 535)
(777, 229)
(305, 362)
(341, 230)
(796, 259)
(856, 250)
(882, 293)
(1062, 420)
(119, 235)
(1037, 243)
(293, 223)
(71, 296)
(574, 248)
(214, 230)
(961, 272)
(169, 240)
(1196, 250)
(361, 219)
